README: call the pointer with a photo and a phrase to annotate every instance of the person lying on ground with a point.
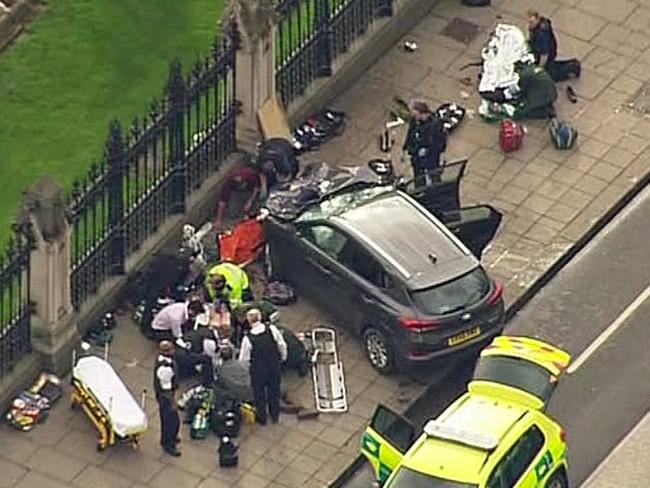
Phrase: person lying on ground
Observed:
(543, 44)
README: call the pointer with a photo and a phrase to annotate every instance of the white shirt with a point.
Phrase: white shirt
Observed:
(165, 373)
(171, 318)
(256, 329)
(211, 347)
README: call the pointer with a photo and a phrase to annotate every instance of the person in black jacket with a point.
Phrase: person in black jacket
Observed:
(165, 384)
(264, 350)
(425, 139)
(543, 43)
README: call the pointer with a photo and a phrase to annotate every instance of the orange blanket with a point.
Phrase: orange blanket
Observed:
(243, 244)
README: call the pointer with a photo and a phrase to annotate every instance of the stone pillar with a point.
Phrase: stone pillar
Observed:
(54, 334)
(255, 20)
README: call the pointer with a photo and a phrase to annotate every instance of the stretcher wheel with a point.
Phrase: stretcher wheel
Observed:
(135, 444)
(100, 447)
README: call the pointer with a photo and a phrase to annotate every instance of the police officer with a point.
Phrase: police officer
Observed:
(229, 282)
(425, 139)
(264, 350)
(198, 348)
(543, 44)
(165, 384)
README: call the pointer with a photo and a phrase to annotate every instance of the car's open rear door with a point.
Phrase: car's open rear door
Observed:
(386, 439)
(475, 226)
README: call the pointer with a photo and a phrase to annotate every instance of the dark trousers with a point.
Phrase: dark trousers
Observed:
(170, 422)
(187, 363)
(157, 335)
(421, 167)
(561, 70)
(266, 392)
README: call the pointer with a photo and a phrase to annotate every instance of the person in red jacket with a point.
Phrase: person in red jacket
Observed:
(247, 180)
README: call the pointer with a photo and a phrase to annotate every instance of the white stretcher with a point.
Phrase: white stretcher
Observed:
(327, 372)
(107, 401)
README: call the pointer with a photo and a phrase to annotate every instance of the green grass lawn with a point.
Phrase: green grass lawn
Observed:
(82, 63)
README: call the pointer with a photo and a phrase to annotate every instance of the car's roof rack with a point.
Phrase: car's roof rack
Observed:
(440, 430)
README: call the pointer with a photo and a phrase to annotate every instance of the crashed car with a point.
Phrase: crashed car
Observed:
(397, 263)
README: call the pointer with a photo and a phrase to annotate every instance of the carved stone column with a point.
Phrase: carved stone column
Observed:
(255, 20)
(53, 332)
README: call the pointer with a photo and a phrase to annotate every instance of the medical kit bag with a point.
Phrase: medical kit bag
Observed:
(511, 135)
(563, 134)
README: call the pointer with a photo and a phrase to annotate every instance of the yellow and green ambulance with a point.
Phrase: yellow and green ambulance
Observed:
(496, 435)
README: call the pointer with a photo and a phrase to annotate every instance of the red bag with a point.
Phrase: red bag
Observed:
(511, 136)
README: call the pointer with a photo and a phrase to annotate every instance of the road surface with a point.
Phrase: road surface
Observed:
(597, 308)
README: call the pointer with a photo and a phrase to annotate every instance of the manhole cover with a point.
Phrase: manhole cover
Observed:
(462, 31)
(640, 101)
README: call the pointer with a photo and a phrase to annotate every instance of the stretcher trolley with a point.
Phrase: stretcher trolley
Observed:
(107, 402)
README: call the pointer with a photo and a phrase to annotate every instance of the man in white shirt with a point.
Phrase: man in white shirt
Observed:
(264, 350)
(168, 323)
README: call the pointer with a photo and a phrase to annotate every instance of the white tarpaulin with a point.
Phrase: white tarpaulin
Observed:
(506, 47)
(126, 415)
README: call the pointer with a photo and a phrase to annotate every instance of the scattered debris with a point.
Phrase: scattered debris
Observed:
(410, 46)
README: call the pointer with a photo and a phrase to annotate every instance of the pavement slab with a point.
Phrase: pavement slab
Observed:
(549, 199)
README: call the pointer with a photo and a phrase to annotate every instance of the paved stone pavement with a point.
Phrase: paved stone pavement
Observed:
(549, 199)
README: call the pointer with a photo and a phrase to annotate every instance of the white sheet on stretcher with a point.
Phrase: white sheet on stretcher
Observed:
(100, 378)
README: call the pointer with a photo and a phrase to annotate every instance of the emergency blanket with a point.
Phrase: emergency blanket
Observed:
(243, 244)
(318, 182)
(98, 376)
(506, 47)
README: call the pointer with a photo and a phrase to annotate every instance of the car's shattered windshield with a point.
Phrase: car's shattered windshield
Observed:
(340, 203)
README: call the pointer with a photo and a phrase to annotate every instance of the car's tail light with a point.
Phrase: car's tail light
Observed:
(563, 436)
(418, 325)
(496, 295)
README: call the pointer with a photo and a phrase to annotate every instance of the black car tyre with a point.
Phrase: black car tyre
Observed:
(379, 350)
(558, 480)
(271, 270)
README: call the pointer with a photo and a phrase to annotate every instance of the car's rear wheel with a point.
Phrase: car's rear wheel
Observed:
(379, 350)
(558, 480)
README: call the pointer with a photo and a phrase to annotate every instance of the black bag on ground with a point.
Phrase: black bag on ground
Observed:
(225, 418)
(476, 3)
(228, 452)
(279, 293)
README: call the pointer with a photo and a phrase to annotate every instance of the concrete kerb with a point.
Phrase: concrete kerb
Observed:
(525, 297)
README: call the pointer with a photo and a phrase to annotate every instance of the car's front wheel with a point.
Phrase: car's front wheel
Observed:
(379, 350)
(558, 480)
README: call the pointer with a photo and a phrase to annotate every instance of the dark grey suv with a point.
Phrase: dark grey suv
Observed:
(390, 271)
